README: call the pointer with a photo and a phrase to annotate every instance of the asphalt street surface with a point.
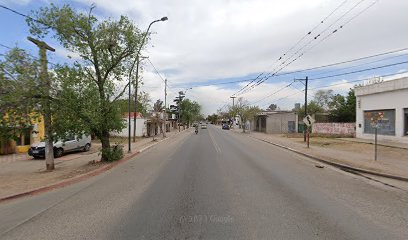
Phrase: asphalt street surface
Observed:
(214, 185)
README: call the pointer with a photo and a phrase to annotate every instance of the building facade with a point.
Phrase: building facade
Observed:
(383, 106)
(276, 122)
(22, 143)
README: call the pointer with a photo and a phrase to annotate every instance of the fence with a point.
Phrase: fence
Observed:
(348, 129)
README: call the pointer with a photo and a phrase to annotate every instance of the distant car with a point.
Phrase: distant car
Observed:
(203, 126)
(70, 144)
(225, 126)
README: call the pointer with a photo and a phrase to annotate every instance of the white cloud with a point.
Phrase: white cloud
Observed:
(217, 39)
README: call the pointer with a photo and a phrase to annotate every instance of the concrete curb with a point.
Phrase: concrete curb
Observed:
(337, 165)
(81, 177)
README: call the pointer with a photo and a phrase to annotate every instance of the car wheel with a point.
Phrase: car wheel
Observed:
(58, 152)
(87, 147)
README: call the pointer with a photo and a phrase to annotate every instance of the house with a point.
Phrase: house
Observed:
(386, 102)
(140, 125)
(22, 143)
(276, 122)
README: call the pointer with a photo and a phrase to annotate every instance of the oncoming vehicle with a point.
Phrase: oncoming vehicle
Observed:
(203, 126)
(70, 144)
(225, 126)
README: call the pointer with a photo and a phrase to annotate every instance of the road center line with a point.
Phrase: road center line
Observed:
(217, 148)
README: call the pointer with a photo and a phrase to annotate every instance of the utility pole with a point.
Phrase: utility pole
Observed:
(136, 90)
(165, 94)
(130, 74)
(306, 80)
(139, 58)
(233, 105)
(46, 82)
(233, 100)
(165, 107)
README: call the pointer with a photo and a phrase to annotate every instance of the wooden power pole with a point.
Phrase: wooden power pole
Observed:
(46, 82)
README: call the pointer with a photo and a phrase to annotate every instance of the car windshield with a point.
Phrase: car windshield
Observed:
(188, 119)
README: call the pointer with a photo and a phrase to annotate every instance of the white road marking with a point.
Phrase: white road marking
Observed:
(217, 148)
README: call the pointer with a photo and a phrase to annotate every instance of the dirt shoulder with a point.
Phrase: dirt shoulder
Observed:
(20, 173)
(391, 160)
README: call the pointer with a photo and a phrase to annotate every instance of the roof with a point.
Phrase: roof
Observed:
(132, 115)
(274, 112)
(386, 86)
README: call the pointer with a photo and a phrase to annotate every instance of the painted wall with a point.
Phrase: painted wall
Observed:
(279, 122)
(335, 128)
(391, 98)
(140, 128)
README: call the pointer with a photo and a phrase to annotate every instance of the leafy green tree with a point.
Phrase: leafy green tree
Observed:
(157, 116)
(213, 118)
(245, 111)
(312, 108)
(343, 109)
(19, 91)
(322, 98)
(106, 48)
(272, 107)
(190, 111)
(143, 103)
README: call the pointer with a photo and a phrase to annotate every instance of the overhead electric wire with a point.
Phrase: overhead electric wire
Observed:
(307, 44)
(322, 66)
(24, 15)
(295, 45)
(359, 65)
(361, 70)
(34, 57)
(341, 83)
(280, 89)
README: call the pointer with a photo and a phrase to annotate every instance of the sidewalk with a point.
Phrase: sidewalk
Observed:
(20, 173)
(391, 160)
(380, 142)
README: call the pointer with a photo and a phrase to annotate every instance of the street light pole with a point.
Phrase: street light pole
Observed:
(130, 74)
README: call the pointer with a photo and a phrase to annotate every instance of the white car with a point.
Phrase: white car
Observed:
(70, 144)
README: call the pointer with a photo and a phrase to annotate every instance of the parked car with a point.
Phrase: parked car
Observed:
(70, 144)
(225, 126)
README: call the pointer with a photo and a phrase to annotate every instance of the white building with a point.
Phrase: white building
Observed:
(388, 99)
(140, 125)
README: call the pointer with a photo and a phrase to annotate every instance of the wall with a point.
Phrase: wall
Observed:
(334, 128)
(396, 99)
(278, 122)
(140, 128)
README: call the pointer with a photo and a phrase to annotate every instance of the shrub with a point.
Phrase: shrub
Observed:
(113, 153)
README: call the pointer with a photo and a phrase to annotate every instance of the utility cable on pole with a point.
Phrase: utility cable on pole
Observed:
(306, 80)
(46, 105)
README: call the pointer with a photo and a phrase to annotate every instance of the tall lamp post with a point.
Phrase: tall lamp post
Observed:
(130, 75)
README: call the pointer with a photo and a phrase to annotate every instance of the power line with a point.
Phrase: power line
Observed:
(322, 66)
(295, 45)
(359, 65)
(361, 70)
(155, 69)
(24, 15)
(341, 83)
(307, 44)
(34, 57)
(280, 89)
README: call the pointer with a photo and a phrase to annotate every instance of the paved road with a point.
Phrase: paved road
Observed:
(214, 185)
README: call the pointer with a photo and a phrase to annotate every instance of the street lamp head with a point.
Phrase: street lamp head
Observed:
(164, 19)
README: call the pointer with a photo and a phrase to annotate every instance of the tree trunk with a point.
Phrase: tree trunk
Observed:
(105, 144)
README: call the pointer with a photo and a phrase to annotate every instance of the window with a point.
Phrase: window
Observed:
(386, 124)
